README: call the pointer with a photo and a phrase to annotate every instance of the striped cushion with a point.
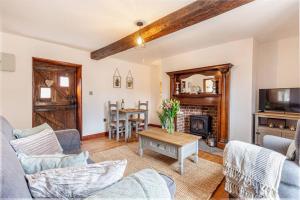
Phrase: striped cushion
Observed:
(41, 143)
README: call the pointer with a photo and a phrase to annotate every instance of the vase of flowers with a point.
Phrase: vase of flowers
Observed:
(163, 119)
(170, 108)
(170, 125)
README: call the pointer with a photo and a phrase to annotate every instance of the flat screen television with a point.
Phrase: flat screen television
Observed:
(280, 100)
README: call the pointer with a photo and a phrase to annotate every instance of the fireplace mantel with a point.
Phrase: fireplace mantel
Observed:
(220, 98)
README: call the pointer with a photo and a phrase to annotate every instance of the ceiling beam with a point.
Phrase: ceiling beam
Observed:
(191, 14)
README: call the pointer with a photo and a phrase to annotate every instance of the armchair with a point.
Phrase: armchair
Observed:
(289, 186)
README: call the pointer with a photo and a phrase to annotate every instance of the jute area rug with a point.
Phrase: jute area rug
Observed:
(199, 181)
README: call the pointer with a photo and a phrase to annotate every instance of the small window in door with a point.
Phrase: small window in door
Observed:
(64, 81)
(45, 93)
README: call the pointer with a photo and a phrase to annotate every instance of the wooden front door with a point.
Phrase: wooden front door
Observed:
(56, 94)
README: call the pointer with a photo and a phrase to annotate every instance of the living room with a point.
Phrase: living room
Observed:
(260, 39)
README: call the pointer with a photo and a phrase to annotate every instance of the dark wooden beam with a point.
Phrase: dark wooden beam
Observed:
(191, 14)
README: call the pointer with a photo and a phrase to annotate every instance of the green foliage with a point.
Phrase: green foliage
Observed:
(170, 107)
(162, 118)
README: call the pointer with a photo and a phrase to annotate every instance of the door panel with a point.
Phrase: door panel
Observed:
(54, 95)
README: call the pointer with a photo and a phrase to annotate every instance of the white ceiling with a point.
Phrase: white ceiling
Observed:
(265, 20)
(85, 24)
(91, 24)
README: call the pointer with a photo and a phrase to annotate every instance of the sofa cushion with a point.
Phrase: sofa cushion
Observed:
(6, 129)
(288, 192)
(75, 182)
(41, 143)
(13, 180)
(290, 173)
(21, 133)
(36, 163)
(145, 184)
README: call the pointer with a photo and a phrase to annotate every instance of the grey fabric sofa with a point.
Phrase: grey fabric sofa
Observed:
(289, 187)
(13, 182)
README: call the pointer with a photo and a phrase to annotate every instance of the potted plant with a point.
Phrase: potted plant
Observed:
(170, 108)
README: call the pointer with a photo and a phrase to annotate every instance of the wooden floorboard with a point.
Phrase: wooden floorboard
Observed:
(103, 143)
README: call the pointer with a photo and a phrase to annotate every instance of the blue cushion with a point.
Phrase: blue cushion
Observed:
(18, 133)
(35, 163)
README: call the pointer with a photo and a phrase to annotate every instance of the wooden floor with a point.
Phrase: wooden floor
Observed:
(103, 143)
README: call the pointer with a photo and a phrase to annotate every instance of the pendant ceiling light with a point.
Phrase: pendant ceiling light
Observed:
(139, 40)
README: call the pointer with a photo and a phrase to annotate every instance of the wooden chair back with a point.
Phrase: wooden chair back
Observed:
(113, 112)
(144, 106)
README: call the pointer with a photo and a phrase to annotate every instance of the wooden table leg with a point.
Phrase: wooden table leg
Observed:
(118, 131)
(196, 152)
(140, 146)
(146, 120)
(126, 127)
(180, 160)
(109, 133)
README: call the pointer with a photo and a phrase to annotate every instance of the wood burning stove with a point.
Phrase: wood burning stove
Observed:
(200, 125)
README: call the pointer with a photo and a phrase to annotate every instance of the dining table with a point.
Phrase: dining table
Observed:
(127, 112)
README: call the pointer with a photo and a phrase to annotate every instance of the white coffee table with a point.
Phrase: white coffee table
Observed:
(177, 145)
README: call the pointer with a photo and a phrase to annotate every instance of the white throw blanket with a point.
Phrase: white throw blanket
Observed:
(252, 171)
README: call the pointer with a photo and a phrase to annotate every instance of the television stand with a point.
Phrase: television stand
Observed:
(275, 123)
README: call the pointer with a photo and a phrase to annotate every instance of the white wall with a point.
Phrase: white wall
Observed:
(155, 94)
(16, 88)
(272, 64)
(240, 54)
(278, 64)
(256, 65)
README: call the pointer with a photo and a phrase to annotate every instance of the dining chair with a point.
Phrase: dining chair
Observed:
(116, 126)
(138, 122)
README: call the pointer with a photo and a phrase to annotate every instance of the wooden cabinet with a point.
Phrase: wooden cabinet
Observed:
(262, 129)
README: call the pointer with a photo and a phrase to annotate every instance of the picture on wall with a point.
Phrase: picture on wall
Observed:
(117, 79)
(129, 81)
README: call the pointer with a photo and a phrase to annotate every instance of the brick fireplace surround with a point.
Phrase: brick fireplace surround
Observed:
(215, 104)
(183, 117)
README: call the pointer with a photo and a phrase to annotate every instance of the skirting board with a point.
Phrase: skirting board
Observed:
(105, 134)
(155, 125)
(94, 136)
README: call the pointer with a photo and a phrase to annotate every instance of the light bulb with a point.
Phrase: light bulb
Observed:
(140, 41)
